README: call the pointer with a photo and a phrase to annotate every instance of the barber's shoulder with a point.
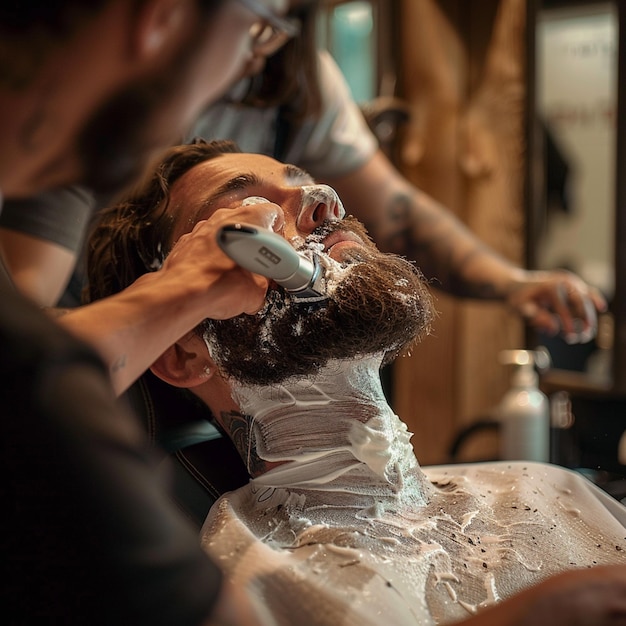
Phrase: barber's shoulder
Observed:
(330, 75)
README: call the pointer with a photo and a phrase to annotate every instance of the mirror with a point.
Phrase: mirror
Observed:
(575, 105)
(577, 101)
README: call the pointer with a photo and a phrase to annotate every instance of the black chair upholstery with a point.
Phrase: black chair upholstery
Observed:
(205, 464)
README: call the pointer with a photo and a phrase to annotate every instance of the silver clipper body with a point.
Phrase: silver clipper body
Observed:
(264, 252)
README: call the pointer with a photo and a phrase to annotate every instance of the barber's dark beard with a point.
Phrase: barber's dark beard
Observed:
(113, 150)
(125, 134)
(382, 306)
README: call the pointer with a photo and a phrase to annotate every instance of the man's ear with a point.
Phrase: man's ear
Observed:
(185, 364)
(159, 23)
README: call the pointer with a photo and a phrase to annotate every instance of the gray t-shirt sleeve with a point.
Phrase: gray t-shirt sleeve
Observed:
(339, 141)
(334, 144)
(60, 216)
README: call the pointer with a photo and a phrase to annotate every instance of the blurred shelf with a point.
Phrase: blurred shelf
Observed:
(576, 383)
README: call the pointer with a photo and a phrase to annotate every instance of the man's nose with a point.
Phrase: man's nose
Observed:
(319, 203)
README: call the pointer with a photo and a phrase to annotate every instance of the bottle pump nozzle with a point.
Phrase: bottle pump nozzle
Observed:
(527, 363)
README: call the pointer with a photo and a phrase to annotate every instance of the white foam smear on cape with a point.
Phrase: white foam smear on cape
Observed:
(351, 530)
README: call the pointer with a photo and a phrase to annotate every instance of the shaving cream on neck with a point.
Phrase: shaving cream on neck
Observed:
(333, 432)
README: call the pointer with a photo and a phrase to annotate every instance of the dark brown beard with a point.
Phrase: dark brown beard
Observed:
(382, 306)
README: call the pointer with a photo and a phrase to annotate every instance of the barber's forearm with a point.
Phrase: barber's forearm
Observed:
(445, 249)
(40, 269)
(133, 328)
(196, 281)
(402, 219)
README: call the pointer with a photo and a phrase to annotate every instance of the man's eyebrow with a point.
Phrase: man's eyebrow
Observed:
(245, 180)
(291, 171)
(238, 183)
(234, 184)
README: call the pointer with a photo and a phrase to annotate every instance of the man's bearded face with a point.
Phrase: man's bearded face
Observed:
(380, 305)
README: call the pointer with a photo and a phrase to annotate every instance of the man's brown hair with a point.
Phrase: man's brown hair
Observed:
(133, 236)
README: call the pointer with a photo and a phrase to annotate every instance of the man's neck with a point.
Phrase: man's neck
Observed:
(333, 432)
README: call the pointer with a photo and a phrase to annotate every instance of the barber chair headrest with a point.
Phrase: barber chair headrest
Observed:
(205, 462)
(174, 418)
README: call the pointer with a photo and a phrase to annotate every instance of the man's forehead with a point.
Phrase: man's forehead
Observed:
(206, 177)
(224, 179)
(237, 162)
(209, 175)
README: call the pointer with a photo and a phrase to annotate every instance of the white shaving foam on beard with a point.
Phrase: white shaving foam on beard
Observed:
(334, 272)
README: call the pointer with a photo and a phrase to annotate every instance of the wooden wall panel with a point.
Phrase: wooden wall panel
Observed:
(463, 76)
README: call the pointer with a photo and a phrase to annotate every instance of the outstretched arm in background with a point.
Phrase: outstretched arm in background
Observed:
(404, 220)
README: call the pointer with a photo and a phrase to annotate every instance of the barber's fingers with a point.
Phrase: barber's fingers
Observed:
(585, 597)
(254, 210)
(217, 287)
(575, 311)
(574, 328)
(227, 288)
(235, 292)
(201, 241)
(263, 214)
(558, 301)
(580, 597)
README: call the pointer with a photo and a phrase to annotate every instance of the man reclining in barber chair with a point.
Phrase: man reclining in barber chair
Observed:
(339, 524)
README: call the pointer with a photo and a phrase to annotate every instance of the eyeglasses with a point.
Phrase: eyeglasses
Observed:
(271, 32)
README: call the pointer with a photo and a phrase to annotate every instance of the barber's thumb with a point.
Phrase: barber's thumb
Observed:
(258, 293)
(276, 221)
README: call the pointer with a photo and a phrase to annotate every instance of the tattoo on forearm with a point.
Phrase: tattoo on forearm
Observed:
(239, 428)
(399, 215)
(440, 245)
(419, 235)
